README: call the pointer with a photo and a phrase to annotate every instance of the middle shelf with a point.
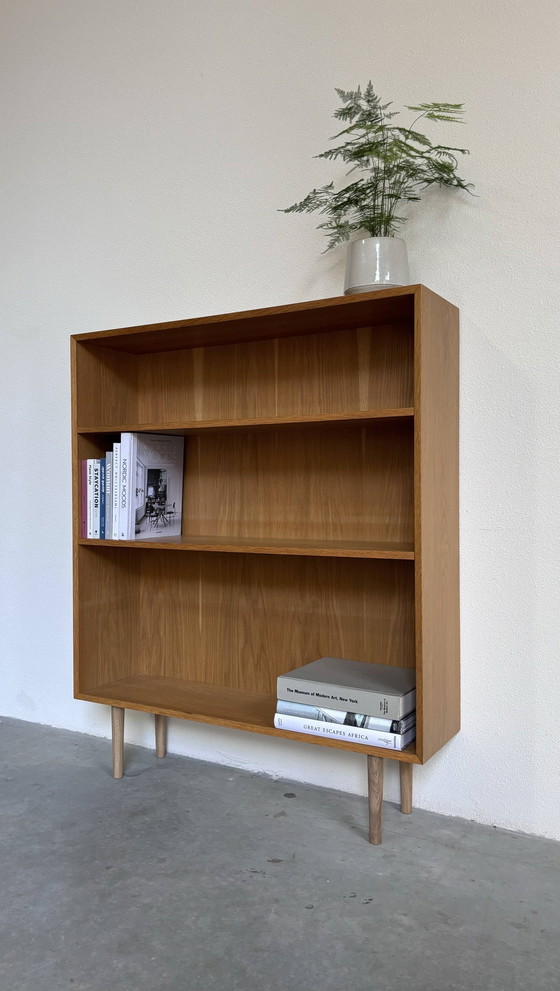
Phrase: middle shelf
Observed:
(234, 424)
(381, 550)
(337, 491)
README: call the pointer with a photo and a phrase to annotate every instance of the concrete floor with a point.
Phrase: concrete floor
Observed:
(187, 876)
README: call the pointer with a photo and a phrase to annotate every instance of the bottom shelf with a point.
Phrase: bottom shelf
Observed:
(236, 708)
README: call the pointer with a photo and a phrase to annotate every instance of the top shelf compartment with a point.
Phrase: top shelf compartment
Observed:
(388, 306)
(346, 358)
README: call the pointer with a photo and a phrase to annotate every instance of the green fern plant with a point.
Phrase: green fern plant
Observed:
(397, 163)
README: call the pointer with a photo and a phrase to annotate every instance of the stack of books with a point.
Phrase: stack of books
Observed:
(352, 701)
(135, 490)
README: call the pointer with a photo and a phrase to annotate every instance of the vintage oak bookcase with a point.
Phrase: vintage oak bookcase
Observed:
(320, 514)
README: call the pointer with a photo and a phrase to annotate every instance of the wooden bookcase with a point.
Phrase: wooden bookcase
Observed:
(320, 513)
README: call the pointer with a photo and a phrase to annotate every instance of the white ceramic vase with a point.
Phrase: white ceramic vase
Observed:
(376, 263)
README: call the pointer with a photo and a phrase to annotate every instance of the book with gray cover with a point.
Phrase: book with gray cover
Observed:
(372, 689)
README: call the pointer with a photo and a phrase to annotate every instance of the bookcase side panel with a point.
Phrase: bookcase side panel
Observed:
(437, 521)
(106, 386)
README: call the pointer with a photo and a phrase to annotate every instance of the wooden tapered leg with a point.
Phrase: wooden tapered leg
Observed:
(375, 797)
(406, 787)
(117, 726)
(161, 735)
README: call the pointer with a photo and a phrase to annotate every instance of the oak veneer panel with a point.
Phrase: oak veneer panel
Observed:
(437, 520)
(238, 709)
(107, 616)
(358, 369)
(102, 606)
(237, 620)
(387, 551)
(365, 368)
(247, 619)
(243, 424)
(386, 306)
(347, 483)
(106, 386)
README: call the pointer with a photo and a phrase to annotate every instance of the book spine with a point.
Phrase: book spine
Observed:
(96, 496)
(116, 487)
(352, 699)
(124, 487)
(108, 495)
(132, 492)
(346, 718)
(102, 497)
(83, 498)
(96, 500)
(90, 497)
(347, 734)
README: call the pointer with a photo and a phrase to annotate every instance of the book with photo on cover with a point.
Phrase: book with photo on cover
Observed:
(320, 714)
(154, 496)
(348, 734)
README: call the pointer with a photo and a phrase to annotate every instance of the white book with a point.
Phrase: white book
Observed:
(96, 498)
(108, 495)
(115, 488)
(322, 715)
(132, 487)
(347, 734)
(90, 497)
(124, 486)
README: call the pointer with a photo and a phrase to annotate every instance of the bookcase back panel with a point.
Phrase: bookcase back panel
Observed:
(344, 483)
(95, 445)
(338, 371)
(239, 620)
(107, 616)
(106, 386)
(235, 620)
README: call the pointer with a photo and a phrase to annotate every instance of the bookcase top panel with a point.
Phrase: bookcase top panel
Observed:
(385, 306)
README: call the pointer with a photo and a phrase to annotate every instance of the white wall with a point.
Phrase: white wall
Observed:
(147, 146)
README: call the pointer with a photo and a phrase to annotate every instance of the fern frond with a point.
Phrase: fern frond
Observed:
(396, 163)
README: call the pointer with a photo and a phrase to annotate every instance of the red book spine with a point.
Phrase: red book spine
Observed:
(84, 498)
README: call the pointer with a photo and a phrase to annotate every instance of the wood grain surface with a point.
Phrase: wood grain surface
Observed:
(375, 798)
(335, 372)
(243, 424)
(321, 508)
(369, 549)
(385, 306)
(237, 620)
(437, 521)
(336, 484)
(406, 788)
(209, 704)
